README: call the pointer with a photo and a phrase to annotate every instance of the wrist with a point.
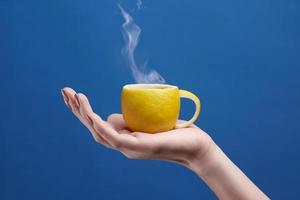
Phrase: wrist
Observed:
(223, 176)
(202, 163)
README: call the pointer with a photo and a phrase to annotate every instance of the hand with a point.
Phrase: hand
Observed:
(177, 145)
(191, 147)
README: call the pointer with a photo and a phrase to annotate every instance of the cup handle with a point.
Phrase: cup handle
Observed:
(195, 99)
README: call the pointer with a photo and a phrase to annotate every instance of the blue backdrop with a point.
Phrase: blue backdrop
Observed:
(240, 57)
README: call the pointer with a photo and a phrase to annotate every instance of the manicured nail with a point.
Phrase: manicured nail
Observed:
(66, 99)
(91, 122)
(77, 100)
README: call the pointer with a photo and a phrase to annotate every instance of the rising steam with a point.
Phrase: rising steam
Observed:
(139, 4)
(131, 33)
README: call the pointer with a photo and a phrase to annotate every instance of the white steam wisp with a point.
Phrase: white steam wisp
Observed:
(131, 33)
(139, 4)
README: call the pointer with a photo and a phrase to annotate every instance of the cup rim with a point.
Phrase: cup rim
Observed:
(148, 86)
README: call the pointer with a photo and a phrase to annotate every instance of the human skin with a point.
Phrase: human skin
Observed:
(190, 147)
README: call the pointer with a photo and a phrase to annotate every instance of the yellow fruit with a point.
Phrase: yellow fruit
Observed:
(153, 108)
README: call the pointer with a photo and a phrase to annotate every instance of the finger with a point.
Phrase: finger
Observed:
(117, 121)
(65, 97)
(85, 108)
(96, 133)
(111, 135)
(79, 104)
(70, 93)
(97, 137)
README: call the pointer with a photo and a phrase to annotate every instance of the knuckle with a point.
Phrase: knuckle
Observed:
(130, 155)
(134, 155)
(98, 140)
(82, 97)
(117, 144)
(138, 156)
(156, 151)
(98, 126)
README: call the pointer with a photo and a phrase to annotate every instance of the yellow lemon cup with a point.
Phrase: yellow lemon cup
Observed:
(153, 108)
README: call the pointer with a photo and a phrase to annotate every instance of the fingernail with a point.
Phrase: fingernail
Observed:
(91, 122)
(77, 100)
(66, 99)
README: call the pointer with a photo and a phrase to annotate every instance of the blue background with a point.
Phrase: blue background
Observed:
(241, 57)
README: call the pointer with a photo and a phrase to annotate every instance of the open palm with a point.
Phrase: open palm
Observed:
(177, 145)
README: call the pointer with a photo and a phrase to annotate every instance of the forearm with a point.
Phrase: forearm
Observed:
(224, 178)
